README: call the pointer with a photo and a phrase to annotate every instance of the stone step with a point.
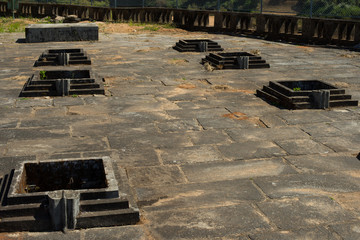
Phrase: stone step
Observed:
(103, 204)
(343, 103)
(84, 86)
(35, 93)
(25, 223)
(39, 87)
(339, 97)
(268, 96)
(86, 91)
(302, 105)
(10, 211)
(107, 218)
(279, 95)
(194, 45)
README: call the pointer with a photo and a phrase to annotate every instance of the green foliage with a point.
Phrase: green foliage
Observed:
(42, 75)
(7, 24)
(105, 3)
(336, 8)
(151, 28)
(14, 27)
(297, 89)
(225, 5)
(45, 20)
(169, 25)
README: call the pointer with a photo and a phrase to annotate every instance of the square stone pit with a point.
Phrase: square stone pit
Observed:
(66, 194)
(93, 178)
(305, 94)
(197, 45)
(62, 83)
(62, 57)
(234, 60)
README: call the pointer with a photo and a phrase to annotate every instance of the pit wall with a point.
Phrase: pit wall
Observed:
(272, 27)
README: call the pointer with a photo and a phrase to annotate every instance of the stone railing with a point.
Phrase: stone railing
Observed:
(273, 27)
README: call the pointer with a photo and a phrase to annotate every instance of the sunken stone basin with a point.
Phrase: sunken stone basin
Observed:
(66, 194)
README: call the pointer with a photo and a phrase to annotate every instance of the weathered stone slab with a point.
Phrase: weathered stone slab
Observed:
(61, 32)
(209, 137)
(21, 134)
(348, 127)
(303, 146)
(157, 175)
(271, 134)
(145, 156)
(224, 123)
(198, 113)
(116, 233)
(235, 170)
(251, 150)
(272, 121)
(61, 121)
(29, 102)
(321, 130)
(8, 123)
(157, 140)
(52, 235)
(139, 116)
(189, 195)
(348, 143)
(52, 145)
(304, 116)
(191, 154)
(303, 212)
(341, 114)
(128, 130)
(68, 101)
(328, 163)
(307, 184)
(179, 125)
(50, 112)
(7, 112)
(216, 222)
(319, 233)
(349, 201)
(348, 231)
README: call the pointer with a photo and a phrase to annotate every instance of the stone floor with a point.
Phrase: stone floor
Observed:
(205, 157)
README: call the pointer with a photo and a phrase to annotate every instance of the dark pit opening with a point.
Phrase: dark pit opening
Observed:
(306, 85)
(67, 74)
(63, 175)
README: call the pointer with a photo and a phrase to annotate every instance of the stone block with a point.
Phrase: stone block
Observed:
(61, 32)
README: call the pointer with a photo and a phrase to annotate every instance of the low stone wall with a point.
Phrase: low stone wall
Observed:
(274, 27)
(61, 32)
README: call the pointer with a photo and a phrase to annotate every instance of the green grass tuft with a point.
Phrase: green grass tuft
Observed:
(151, 28)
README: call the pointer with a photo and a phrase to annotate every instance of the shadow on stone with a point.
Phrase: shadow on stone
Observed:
(21, 40)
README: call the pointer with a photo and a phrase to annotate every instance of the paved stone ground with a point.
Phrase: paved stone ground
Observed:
(206, 158)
